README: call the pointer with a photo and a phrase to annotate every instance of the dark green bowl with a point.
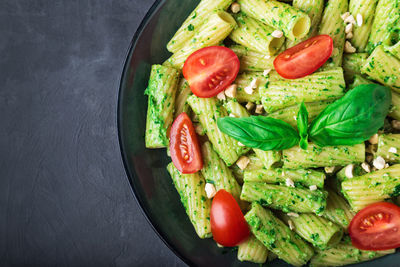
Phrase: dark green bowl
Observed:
(146, 169)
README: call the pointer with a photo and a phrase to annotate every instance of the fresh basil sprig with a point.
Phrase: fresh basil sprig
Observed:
(260, 132)
(302, 125)
(352, 119)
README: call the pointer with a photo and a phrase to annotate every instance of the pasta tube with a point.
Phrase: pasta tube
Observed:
(333, 25)
(216, 172)
(282, 93)
(279, 175)
(160, 112)
(384, 68)
(255, 35)
(285, 198)
(292, 22)
(372, 187)
(208, 111)
(252, 60)
(344, 254)
(252, 250)
(337, 210)
(320, 232)
(314, 156)
(194, 199)
(197, 18)
(314, 9)
(216, 29)
(277, 237)
(366, 10)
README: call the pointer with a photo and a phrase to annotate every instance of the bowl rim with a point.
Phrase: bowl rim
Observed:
(139, 201)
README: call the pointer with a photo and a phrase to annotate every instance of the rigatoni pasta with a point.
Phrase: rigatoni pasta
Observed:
(372, 187)
(255, 35)
(160, 113)
(282, 93)
(333, 25)
(292, 22)
(217, 27)
(196, 19)
(314, 156)
(364, 11)
(193, 197)
(277, 237)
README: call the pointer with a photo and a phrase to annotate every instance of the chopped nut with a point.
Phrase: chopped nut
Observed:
(359, 18)
(349, 28)
(313, 187)
(249, 90)
(374, 139)
(266, 72)
(242, 162)
(231, 91)
(350, 19)
(330, 169)
(235, 8)
(221, 96)
(349, 35)
(345, 15)
(291, 225)
(295, 118)
(277, 34)
(348, 171)
(259, 109)
(267, 57)
(379, 163)
(240, 144)
(396, 124)
(386, 165)
(232, 115)
(366, 167)
(349, 48)
(210, 190)
(254, 83)
(249, 105)
(292, 214)
(392, 150)
(289, 182)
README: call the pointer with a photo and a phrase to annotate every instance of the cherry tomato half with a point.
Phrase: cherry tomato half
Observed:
(228, 224)
(304, 58)
(211, 70)
(184, 146)
(376, 227)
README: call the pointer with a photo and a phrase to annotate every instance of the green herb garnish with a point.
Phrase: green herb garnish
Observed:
(302, 125)
(350, 120)
(260, 132)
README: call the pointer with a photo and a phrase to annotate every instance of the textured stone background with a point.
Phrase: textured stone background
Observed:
(64, 197)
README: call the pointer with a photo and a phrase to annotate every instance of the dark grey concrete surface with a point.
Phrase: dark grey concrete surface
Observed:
(64, 197)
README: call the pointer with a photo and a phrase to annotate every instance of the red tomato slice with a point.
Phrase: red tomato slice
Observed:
(304, 58)
(184, 146)
(376, 227)
(228, 224)
(211, 70)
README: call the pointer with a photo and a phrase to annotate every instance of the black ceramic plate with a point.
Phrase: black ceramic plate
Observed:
(146, 169)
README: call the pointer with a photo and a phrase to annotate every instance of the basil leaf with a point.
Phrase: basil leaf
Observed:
(353, 118)
(302, 125)
(260, 132)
